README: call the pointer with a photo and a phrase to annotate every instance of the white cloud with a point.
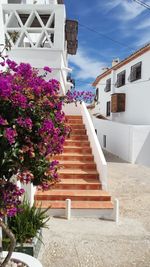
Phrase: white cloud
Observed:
(144, 39)
(144, 24)
(128, 9)
(87, 67)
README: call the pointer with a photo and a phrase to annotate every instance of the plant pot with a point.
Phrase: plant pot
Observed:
(27, 259)
(32, 248)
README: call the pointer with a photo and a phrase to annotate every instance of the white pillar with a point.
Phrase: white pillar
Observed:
(68, 209)
(59, 34)
(29, 192)
(116, 211)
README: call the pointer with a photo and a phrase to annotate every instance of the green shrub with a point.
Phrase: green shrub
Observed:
(27, 223)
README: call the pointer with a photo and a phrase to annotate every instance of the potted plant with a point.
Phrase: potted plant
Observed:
(27, 227)
(32, 126)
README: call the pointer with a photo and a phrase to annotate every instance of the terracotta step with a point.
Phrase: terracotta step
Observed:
(78, 137)
(74, 156)
(77, 143)
(77, 126)
(75, 204)
(80, 184)
(78, 131)
(76, 164)
(78, 174)
(74, 117)
(77, 195)
(74, 149)
(74, 121)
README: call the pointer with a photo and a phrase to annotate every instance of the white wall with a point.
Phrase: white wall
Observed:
(72, 109)
(129, 142)
(137, 94)
(55, 56)
(118, 137)
(104, 97)
(28, 1)
(141, 145)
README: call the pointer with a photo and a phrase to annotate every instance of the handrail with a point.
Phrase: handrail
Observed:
(95, 145)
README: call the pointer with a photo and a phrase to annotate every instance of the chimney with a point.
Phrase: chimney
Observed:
(104, 69)
(115, 62)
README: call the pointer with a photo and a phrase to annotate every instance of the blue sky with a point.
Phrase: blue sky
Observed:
(122, 20)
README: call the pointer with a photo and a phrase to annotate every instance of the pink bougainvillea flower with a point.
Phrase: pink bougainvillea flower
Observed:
(10, 135)
(46, 68)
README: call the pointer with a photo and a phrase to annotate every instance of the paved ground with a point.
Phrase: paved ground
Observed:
(97, 243)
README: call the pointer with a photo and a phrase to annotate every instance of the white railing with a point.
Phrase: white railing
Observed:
(95, 145)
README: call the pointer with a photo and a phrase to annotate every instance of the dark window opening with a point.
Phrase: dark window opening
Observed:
(104, 141)
(121, 79)
(136, 72)
(108, 108)
(96, 95)
(108, 85)
(16, 2)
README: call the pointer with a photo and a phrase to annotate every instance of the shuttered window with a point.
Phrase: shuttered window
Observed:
(121, 78)
(136, 71)
(118, 102)
(108, 85)
(108, 108)
(96, 98)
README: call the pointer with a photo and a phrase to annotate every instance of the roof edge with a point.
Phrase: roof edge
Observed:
(136, 54)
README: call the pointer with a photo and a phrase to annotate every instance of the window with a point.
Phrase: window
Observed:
(104, 141)
(108, 85)
(96, 95)
(136, 72)
(118, 102)
(121, 78)
(108, 108)
(15, 2)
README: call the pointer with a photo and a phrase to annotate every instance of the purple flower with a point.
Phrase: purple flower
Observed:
(3, 121)
(46, 68)
(12, 64)
(19, 100)
(26, 123)
(48, 126)
(10, 134)
(73, 96)
(24, 70)
(2, 63)
(5, 87)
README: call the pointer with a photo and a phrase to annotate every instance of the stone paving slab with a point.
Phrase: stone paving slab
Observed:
(97, 243)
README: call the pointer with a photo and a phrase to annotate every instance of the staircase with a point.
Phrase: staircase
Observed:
(79, 178)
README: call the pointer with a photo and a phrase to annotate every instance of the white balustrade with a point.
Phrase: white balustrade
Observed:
(95, 145)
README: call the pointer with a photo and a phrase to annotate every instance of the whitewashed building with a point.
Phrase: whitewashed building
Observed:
(38, 33)
(123, 93)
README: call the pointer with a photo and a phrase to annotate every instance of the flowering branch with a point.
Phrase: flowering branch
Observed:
(12, 242)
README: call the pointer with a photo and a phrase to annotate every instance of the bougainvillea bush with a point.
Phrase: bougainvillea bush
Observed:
(79, 96)
(32, 126)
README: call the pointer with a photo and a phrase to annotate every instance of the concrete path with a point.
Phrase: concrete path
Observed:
(97, 243)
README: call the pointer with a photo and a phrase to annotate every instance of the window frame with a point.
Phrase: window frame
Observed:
(120, 78)
(108, 85)
(104, 141)
(134, 67)
(108, 108)
(96, 98)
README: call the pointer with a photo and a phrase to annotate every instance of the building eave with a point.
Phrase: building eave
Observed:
(125, 61)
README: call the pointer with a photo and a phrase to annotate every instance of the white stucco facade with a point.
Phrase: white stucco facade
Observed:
(137, 107)
(40, 40)
(129, 142)
(127, 133)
